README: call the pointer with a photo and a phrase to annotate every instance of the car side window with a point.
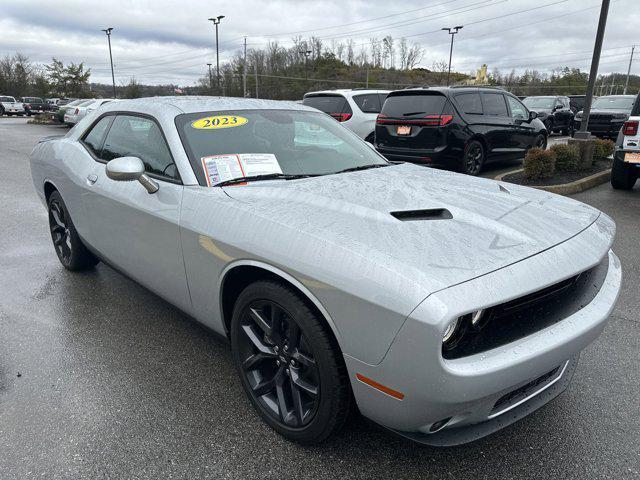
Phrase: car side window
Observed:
(368, 103)
(494, 104)
(470, 103)
(93, 139)
(518, 110)
(133, 136)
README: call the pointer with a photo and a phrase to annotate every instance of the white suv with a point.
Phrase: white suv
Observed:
(356, 109)
(626, 158)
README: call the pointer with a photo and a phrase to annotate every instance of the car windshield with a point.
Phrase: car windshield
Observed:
(296, 142)
(33, 100)
(613, 103)
(539, 102)
(7, 99)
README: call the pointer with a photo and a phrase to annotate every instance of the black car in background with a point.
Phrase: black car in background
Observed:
(554, 111)
(461, 128)
(35, 105)
(607, 115)
(576, 102)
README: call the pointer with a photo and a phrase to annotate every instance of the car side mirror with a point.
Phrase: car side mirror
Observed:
(127, 169)
(532, 115)
(557, 107)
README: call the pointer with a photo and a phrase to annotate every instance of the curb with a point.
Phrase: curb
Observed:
(568, 188)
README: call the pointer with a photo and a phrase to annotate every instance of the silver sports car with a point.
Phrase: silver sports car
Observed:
(445, 306)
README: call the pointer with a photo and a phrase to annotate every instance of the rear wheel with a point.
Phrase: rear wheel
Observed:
(474, 157)
(622, 177)
(289, 365)
(70, 250)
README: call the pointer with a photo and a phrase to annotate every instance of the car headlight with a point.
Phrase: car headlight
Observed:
(457, 330)
(578, 116)
(450, 330)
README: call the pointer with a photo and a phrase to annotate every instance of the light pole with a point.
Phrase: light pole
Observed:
(626, 83)
(210, 79)
(216, 22)
(452, 31)
(595, 61)
(113, 78)
(306, 54)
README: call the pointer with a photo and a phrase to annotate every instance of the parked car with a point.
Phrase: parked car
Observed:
(59, 114)
(446, 306)
(9, 106)
(461, 128)
(356, 109)
(576, 102)
(608, 113)
(34, 105)
(554, 111)
(626, 157)
(74, 115)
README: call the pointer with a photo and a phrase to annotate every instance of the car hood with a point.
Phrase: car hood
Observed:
(452, 227)
(605, 112)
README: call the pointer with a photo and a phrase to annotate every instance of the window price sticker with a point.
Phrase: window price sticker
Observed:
(219, 168)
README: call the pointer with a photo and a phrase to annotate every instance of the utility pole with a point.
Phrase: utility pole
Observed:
(210, 80)
(244, 71)
(593, 73)
(216, 22)
(367, 83)
(452, 31)
(255, 73)
(626, 83)
(113, 77)
(306, 54)
(613, 80)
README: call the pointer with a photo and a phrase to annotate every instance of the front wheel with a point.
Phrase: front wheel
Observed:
(70, 250)
(474, 157)
(289, 364)
(622, 177)
(568, 131)
(540, 142)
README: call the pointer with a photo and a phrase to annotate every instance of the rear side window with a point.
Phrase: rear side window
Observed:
(368, 103)
(470, 103)
(408, 105)
(139, 137)
(494, 104)
(93, 139)
(331, 104)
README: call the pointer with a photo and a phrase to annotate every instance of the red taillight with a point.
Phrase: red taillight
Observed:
(630, 128)
(429, 120)
(341, 117)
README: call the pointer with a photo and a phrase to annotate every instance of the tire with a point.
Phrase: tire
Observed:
(72, 253)
(1, 110)
(284, 352)
(474, 158)
(540, 141)
(622, 177)
(548, 124)
(568, 131)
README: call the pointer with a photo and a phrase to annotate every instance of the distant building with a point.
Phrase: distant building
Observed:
(481, 77)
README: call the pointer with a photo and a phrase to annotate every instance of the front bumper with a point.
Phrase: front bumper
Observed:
(609, 130)
(467, 390)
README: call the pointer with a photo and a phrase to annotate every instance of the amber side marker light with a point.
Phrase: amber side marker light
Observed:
(378, 386)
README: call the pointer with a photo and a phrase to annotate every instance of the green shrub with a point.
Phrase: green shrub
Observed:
(567, 157)
(604, 148)
(539, 164)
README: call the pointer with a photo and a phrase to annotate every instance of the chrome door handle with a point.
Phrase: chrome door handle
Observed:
(91, 179)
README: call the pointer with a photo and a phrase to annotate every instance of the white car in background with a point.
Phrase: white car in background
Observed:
(9, 106)
(74, 115)
(356, 109)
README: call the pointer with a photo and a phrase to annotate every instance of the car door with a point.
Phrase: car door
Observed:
(499, 126)
(524, 131)
(564, 115)
(135, 231)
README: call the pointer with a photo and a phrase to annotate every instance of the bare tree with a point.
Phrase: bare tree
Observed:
(403, 51)
(414, 56)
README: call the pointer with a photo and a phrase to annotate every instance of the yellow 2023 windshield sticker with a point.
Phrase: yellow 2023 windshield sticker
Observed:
(219, 121)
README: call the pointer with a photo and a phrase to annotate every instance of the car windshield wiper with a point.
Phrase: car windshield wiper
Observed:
(257, 178)
(363, 167)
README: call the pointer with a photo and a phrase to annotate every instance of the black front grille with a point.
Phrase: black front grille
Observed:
(523, 316)
(519, 393)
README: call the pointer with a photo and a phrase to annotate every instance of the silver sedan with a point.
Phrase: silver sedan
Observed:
(446, 307)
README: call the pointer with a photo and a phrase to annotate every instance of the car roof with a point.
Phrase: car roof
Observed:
(450, 90)
(195, 104)
(346, 91)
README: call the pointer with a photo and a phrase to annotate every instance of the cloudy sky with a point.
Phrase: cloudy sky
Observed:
(171, 41)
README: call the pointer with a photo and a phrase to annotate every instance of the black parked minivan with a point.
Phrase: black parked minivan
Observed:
(461, 128)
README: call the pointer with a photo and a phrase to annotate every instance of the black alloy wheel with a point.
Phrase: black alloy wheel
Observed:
(70, 250)
(540, 142)
(290, 369)
(473, 158)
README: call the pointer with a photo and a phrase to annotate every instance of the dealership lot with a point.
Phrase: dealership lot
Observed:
(101, 378)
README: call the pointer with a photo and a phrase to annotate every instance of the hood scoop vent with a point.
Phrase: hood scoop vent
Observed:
(420, 215)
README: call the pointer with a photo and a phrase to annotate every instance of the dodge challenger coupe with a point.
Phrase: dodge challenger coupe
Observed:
(446, 307)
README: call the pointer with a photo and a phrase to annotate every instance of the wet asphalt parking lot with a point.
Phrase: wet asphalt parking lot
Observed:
(99, 378)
